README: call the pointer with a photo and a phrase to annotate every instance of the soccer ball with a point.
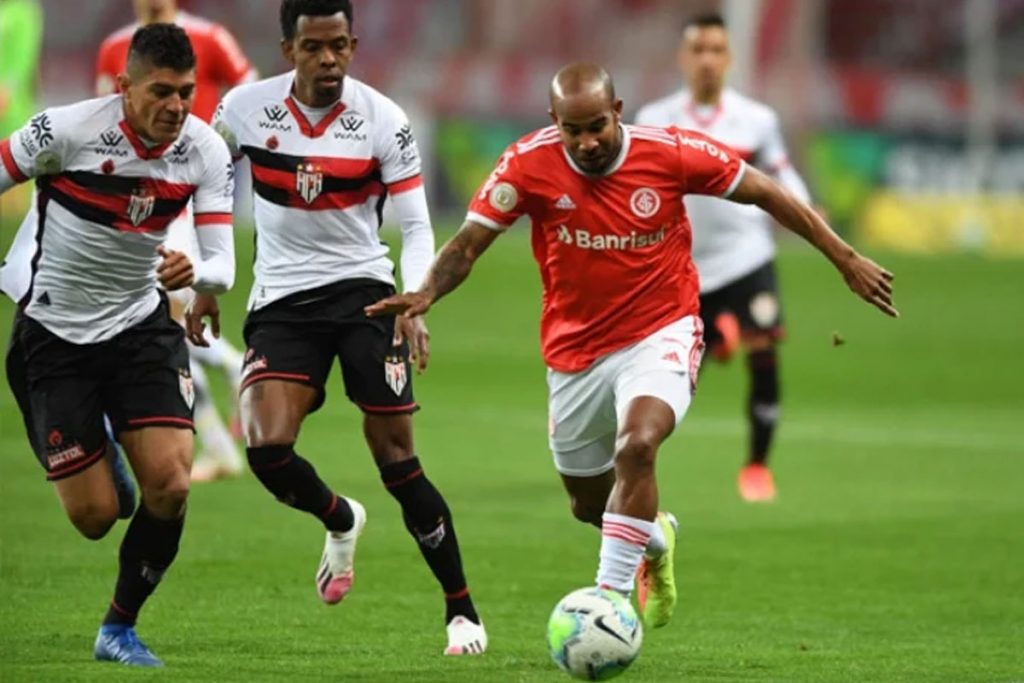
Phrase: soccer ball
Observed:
(594, 634)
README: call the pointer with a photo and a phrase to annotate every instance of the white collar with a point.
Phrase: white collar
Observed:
(615, 165)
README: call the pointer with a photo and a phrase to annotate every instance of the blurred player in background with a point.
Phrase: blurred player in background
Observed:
(733, 246)
(326, 150)
(221, 65)
(619, 329)
(93, 336)
(21, 36)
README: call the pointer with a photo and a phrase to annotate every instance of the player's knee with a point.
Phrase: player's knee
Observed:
(389, 438)
(637, 449)
(93, 518)
(167, 494)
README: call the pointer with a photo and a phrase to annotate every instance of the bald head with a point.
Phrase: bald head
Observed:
(587, 114)
(582, 78)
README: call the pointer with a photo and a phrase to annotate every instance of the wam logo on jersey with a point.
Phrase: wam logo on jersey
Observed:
(275, 116)
(309, 182)
(140, 206)
(350, 125)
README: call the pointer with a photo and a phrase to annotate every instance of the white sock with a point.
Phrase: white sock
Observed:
(657, 545)
(623, 540)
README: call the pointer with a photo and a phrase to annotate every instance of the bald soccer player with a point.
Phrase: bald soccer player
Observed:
(620, 326)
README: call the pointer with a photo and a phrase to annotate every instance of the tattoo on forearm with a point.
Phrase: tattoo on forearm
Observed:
(452, 266)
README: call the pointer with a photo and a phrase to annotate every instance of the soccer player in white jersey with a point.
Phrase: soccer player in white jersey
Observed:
(93, 336)
(732, 244)
(326, 150)
(619, 326)
(220, 65)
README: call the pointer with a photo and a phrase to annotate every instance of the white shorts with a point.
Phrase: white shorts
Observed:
(585, 408)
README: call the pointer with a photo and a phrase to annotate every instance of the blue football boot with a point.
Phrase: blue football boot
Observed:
(119, 643)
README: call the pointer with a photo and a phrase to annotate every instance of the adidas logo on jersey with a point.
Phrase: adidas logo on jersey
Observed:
(565, 203)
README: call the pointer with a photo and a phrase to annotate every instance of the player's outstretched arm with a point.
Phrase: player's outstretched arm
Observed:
(865, 277)
(449, 270)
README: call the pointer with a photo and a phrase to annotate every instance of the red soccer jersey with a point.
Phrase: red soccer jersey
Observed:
(220, 62)
(614, 249)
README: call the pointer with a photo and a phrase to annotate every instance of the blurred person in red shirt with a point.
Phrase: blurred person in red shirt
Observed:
(221, 63)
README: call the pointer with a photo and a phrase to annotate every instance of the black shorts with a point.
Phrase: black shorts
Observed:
(753, 299)
(298, 337)
(138, 378)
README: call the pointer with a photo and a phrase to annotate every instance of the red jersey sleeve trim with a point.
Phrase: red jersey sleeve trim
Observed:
(9, 164)
(213, 219)
(735, 181)
(401, 186)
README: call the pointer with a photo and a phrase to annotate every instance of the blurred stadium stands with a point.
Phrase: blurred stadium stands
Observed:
(906, 116)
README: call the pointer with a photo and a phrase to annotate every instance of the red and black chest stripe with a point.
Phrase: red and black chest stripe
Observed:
(313, 183)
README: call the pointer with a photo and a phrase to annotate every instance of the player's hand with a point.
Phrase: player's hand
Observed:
(415, 330)
(175, 270)
(871, 282)
(202, 306)
(407, 305)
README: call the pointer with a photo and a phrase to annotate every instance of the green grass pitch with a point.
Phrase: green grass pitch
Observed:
(894, 553)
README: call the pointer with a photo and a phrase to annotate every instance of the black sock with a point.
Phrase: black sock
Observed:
(763, 402)
(148, 549)
(429, 520)
(294, 482)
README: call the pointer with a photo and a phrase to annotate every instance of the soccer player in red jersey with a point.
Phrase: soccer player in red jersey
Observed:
(221, 65)
(620, 324)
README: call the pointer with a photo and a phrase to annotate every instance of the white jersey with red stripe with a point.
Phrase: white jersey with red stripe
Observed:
(729, 240)
(320, 185)
(84, 262)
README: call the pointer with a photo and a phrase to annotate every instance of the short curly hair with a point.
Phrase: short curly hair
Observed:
(291, 10)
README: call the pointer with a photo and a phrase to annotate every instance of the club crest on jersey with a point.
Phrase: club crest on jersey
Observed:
(645, 202)
(187, 388)
(395, 374)
(309, 181)
(140, 206)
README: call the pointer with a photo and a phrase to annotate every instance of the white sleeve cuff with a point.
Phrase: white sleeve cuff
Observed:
(485, 221)
(214, 268)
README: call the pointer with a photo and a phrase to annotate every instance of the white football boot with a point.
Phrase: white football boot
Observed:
(465, 637)
(335, 574)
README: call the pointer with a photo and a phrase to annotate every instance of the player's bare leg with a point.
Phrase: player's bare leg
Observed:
(756, 483)
(429, 521)
(588, 498)
(90, 500)
(161, 458)
(272, 414)
(632, 518)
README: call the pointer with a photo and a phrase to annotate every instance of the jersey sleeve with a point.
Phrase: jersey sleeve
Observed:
(107, 69)
(400, 163)
(709, 167)
(230, 65)
(502, 198)
(214, 198)
(36, 149)
(222, 123)
(773, 158)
